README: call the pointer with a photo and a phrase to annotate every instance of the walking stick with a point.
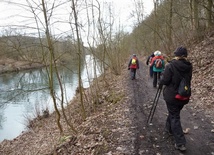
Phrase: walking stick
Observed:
(154, 105)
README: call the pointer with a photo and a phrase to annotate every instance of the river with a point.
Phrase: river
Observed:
(22, 93)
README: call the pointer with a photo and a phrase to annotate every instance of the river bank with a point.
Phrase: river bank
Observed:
(9, 65)
(94, 134)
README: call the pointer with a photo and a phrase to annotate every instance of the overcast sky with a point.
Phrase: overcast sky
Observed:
(126, 7)
(11, 14)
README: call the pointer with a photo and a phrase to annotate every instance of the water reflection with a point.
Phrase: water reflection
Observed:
(22, 92)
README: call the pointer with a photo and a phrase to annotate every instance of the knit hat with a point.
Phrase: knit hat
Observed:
(181, 52)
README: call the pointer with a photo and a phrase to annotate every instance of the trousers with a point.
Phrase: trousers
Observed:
(156, 77)
(151, 71)
(133, 73)
(173, 123)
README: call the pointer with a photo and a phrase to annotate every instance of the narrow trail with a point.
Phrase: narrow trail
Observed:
(150, 139)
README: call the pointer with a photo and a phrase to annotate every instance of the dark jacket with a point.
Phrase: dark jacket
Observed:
(136, 66)
(171, 78)
(149, 59)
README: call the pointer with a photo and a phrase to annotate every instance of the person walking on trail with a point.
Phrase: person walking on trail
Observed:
(157, 65)
(177, 69)
(133, 66)
(148, 62)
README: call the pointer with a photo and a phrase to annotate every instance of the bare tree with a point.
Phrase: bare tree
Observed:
(52, 64)
(79, 49)
(156, 2)
(195, 14)
(210, 14)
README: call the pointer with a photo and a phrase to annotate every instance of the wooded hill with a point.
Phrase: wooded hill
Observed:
(35, 50)
(174, 23)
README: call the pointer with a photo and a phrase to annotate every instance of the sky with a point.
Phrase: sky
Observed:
(127, 7)
(18, 15)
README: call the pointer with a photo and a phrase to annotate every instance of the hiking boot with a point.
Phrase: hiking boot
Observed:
(181, 147)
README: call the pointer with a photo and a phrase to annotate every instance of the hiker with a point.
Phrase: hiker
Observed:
(148, 62)
(157, 65)
(166, 59)
(133, 65)
(171, 77)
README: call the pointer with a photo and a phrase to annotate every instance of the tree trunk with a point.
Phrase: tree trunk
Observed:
(170, 24)
(195, 15)
(156, 25)
(79, 56)
(209, 14)
(51, 50)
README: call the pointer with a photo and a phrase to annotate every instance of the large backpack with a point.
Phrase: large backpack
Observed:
(158, 63)
(184, 87)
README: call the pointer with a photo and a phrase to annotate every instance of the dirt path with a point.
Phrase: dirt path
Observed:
(149, 139)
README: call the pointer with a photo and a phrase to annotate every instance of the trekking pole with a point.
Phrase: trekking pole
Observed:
(154, 105)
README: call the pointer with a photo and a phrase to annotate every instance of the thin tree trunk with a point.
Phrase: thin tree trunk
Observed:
(79, 55)
(209, 14)
(195, 15)
(51, 50)
(170, 23)
(156, 25)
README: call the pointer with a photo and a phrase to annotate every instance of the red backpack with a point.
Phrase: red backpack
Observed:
(159, 63)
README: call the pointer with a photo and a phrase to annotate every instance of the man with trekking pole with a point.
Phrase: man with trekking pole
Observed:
(179, 69)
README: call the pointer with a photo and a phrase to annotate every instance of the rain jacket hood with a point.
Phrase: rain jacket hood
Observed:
(182, 65)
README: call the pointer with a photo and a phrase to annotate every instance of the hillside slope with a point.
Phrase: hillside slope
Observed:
(202, 57)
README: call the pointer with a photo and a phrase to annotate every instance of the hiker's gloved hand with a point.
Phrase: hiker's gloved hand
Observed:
(128, 68)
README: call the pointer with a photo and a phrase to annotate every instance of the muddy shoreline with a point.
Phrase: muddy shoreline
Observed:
(10, 65)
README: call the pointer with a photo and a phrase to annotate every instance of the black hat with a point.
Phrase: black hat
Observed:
(181, 52)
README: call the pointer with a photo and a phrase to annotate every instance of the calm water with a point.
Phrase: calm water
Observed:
(24, 92)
